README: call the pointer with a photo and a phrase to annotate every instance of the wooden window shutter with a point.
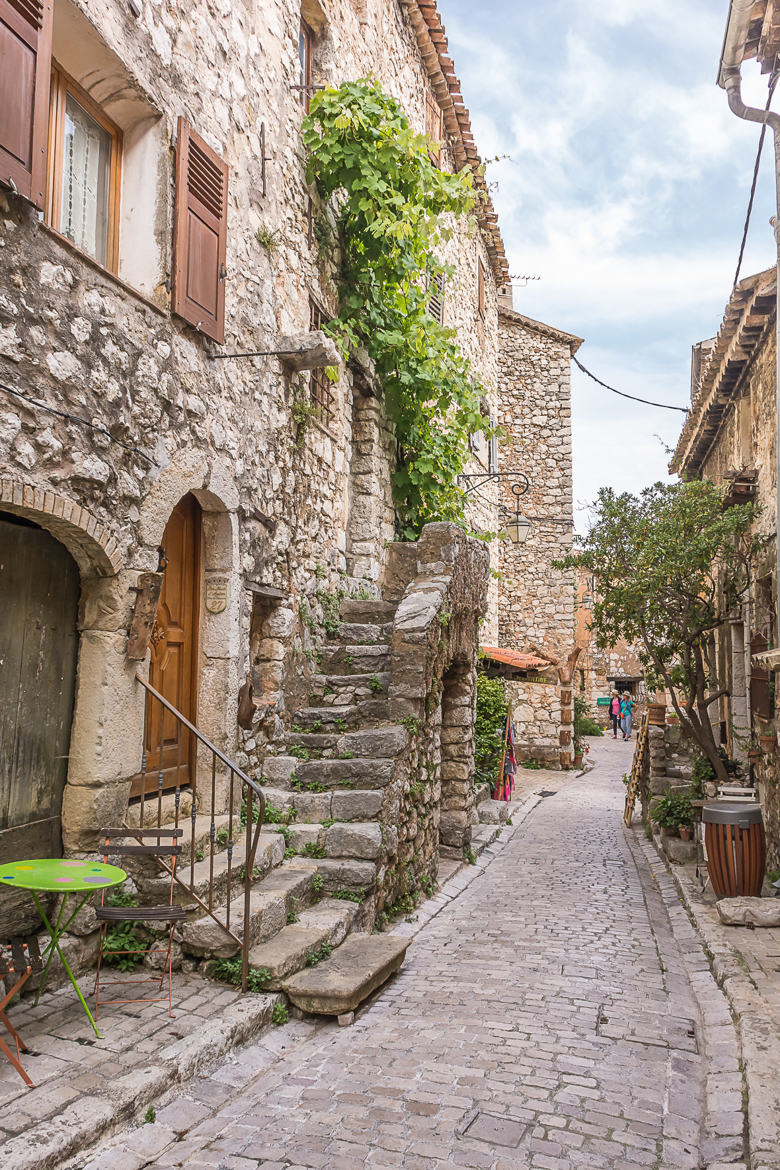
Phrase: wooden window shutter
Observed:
(760, 695)
(200, 234)
(25, 65)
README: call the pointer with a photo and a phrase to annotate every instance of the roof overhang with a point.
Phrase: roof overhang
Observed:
(568, 339)
(750, 310)
(434, 50)
(752, 30)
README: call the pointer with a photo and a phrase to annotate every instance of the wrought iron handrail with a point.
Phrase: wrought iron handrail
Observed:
(249, 790)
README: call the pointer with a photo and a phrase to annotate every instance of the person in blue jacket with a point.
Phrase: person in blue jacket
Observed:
(626, 714)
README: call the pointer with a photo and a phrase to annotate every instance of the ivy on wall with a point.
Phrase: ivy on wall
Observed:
(394, 208)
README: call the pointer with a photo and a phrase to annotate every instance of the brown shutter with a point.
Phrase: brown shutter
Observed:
(760, 696)
(200, 234)
(25, 65)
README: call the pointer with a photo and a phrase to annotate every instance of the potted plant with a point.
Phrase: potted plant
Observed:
(674, 812)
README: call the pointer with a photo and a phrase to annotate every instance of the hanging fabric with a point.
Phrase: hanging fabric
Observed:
(504, 783)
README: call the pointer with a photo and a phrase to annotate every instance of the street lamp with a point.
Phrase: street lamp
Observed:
(517, 525)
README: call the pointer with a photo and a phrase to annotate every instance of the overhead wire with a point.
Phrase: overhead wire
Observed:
(84, 422)
(622, 393)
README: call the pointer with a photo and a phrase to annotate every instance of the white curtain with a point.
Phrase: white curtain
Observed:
(85, 181)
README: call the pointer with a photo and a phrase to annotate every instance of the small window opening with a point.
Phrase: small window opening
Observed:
(320, 387)
(305, 55)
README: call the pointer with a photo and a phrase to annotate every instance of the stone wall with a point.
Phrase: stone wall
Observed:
(300, 508)
(432, 692)
(536, 600)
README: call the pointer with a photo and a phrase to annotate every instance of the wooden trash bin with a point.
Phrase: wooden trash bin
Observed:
(736, 848)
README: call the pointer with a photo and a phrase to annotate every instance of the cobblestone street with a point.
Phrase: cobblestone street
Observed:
(544, 1019)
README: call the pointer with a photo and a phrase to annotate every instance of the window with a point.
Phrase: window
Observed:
(436, 296)
(305, 53)
(493, 447)
(433, 127)
(481, 288)
(320, 388)
(85, 150)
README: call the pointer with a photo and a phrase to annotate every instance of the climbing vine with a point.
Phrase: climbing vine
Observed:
(394, 208)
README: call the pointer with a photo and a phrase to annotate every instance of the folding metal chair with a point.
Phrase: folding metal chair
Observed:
(124, 842)
(19, 958)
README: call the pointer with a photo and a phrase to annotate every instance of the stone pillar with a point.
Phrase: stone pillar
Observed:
(457, 757)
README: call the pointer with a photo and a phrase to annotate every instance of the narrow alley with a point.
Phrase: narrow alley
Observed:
(544, 1019)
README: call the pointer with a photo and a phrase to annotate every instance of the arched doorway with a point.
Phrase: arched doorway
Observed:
(39, 592)
(174, 650)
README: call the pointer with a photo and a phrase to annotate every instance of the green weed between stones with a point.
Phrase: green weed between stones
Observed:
(229, 971)
(281, 1014)
(345, 895)
(322, 952)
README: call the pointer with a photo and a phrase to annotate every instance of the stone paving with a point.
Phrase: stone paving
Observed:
(545, 1019)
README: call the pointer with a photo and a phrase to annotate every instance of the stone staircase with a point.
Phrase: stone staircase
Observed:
(318, 854)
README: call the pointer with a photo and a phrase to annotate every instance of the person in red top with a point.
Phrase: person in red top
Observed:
(614, 713)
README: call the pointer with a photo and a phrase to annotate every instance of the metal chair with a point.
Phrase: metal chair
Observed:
(124, 842)
(19, 959)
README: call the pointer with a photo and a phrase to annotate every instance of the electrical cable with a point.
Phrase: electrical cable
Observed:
(75, 418)
(772, 83)
(633, 397)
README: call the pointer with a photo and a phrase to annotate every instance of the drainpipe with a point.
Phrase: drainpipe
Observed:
(730, 79)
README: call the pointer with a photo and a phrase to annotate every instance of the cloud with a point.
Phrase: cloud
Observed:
(626, 192)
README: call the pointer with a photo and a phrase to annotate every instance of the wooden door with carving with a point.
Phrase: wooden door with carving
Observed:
(173, 648)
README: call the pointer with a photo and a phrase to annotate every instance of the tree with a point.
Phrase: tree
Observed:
(671, 566)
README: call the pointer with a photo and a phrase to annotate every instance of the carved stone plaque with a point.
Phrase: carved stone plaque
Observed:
(216, 594)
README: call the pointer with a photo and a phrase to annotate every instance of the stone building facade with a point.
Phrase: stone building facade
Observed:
(536, 603)
(729, 438)
(601, 671)
(135, 450)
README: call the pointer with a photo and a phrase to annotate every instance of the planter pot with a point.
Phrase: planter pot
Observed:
(668, 830)
(686, 832)
(577, 759)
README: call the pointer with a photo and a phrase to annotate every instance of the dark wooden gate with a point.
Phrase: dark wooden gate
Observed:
(39, 590)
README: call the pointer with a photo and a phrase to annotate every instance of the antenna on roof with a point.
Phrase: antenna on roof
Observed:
(523, 280)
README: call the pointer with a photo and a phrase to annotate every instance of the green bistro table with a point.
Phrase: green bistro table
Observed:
(60, 876)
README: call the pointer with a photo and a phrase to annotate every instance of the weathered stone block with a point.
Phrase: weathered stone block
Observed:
(354, 840)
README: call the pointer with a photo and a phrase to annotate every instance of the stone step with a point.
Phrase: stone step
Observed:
(361, 840)
(482, 836)
(272, 899)
(340, 984)
(270, 852)
(350, 659)
(341, 805)
(344, 874)
(364, 633)
(360, 772)
(493, 812)
(367, 610)
(338, 690)
(366, 713)
(329, 922)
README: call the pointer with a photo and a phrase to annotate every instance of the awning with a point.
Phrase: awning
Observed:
(514, 658)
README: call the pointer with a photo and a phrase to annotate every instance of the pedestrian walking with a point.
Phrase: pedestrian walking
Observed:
(614, 713)
(626, 714)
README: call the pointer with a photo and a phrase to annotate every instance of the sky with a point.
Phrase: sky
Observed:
(625, 191)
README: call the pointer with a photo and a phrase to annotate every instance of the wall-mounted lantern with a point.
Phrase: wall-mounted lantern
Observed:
(517, 525)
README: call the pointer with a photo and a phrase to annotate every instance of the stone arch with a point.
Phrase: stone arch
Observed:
(90, 543)
(457, 752)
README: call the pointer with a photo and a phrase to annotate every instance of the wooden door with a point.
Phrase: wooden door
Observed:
(39, 591)
(174, 652)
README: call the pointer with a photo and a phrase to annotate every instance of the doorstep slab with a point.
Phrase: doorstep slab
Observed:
(360, 965)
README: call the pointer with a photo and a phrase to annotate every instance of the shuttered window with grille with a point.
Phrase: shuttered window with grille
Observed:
(200, 239)
(25, 65)
(436, 285)
(480, 287)
(320, 388)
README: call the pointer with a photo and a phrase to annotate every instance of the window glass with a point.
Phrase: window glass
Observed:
(86, 173)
